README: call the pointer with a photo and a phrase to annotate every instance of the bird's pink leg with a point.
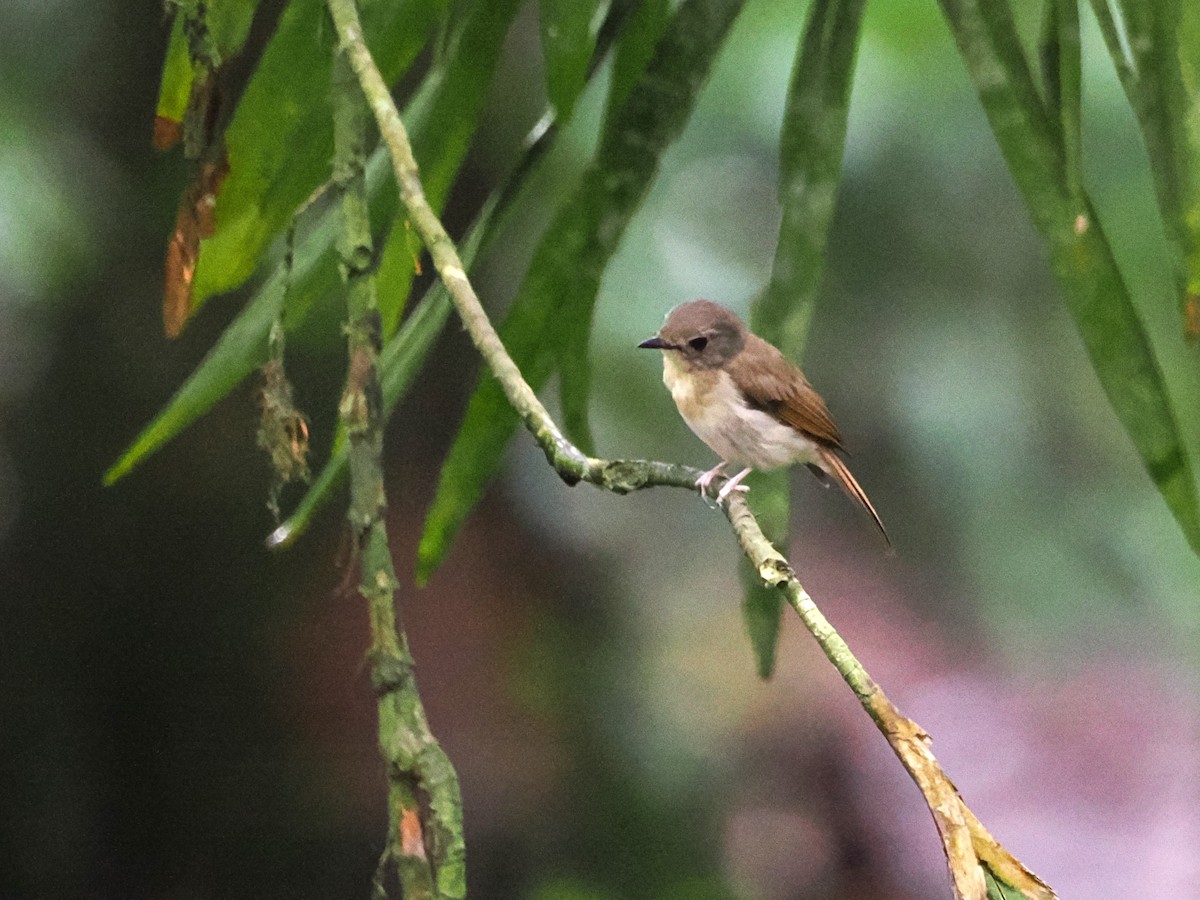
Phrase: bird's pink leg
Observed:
(706, 479)
(733, 484)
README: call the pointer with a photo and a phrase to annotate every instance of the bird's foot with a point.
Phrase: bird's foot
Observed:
(733, 484)
(706, 479)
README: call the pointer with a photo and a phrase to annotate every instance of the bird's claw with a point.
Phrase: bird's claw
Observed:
(729, 488)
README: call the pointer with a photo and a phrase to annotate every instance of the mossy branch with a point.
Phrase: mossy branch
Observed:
(971, 852)
(425, 843)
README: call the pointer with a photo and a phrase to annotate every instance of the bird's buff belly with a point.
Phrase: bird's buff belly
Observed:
(716, 411)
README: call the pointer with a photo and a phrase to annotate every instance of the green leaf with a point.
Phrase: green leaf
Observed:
(1189, 67)
(567, 42)
(280, 140)
(635, 48)
(1080, 255)
(241, 348)
(811, 147)
(401, 359)
(762, 605)
(1157, 61)
(560, 288)
(999, 890)
(228, 23)
(1060, 57)
(441, 118)
(177, 76)
(204, 36)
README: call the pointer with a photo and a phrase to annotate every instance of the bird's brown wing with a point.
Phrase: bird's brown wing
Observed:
(788, 397)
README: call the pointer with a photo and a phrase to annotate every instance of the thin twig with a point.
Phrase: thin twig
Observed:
(966, 842)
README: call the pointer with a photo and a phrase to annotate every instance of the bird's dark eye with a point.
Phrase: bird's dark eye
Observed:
(698, 343)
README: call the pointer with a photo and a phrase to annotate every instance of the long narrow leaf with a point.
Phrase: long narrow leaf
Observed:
(634, 51)
(1080, 254)
(1154, 50)
(811, 147)
(567, 41)
(441, 118)
(566, 270)
(399, 363)
(1060, 57)
(280, 140)
(242, 347)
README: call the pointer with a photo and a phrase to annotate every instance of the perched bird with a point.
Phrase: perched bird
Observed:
(743, 398)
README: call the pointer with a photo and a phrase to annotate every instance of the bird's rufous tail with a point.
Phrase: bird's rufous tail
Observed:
(833, 465)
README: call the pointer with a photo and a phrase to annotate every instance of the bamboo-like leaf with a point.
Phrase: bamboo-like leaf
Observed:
(1060, 58)
(763, 604)
(174, 89)
(280, 140)
(1158, 63)
(1189, 66)
(574, 326)
(810, 165)
(567, 42)
(565, 275)
(401, 359)
(441, 119)
(633, 52)
(204, 36)
(241, 348)
(1080, 254)
(811, 147)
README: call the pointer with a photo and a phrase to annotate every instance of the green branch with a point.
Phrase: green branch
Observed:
(424, 844)
(971, 851)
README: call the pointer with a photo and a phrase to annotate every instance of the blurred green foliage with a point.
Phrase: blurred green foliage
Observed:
(1038, 127)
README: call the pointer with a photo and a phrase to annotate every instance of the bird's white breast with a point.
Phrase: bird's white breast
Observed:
(714, 408)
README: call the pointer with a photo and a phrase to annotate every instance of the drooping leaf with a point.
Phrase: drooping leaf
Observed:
(174, 89)
(1060, 57)
(567, 42)
(811, 147)
(280, 140)
(241, 348)
(810, 165)
(440, 118)
(762, 605)
(401, 359)
(203, 37)
(1154, 50)
(561, 285)
(634, 50)
(1189, 66)
(1080, 255)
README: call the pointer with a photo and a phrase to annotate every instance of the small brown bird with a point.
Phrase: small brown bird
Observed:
(743, 398)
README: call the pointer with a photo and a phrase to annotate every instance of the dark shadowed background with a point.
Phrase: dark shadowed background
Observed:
(185, 714)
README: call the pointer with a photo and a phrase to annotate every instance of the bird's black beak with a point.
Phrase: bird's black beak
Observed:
(656, 343)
